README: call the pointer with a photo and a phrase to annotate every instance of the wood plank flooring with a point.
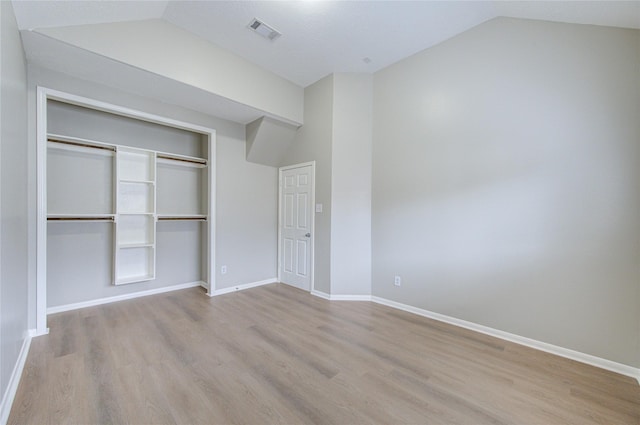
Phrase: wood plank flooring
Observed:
(277, 355)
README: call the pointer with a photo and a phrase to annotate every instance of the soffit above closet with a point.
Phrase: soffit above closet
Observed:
(52, 54)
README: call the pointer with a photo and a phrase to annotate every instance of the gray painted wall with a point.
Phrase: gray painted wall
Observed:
(337, 135)
(247, 220)
(313, 143)
(268, 140)
(506, 164)
(76, 121)
(351, 184)
(13, 194)
(246, 198)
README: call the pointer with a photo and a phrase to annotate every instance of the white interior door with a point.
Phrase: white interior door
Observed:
(296, 226)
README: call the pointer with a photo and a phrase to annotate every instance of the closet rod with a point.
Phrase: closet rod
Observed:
(84, 145)
(80, 218)
(174, 158)
(182, 218)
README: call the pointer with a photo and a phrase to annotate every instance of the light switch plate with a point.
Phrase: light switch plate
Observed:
(318, 208)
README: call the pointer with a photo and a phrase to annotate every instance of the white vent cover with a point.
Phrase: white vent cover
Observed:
(263, 29)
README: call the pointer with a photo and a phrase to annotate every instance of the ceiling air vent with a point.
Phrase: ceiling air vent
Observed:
(263, 29)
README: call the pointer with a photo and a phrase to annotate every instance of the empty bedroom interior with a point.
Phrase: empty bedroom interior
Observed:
(482, 170)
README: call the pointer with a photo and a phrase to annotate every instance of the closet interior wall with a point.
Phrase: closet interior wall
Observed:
(80, 255)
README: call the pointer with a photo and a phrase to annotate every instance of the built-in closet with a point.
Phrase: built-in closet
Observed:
(127, 205)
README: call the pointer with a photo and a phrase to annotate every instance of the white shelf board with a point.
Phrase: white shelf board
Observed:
(134, 264)
(134, 279)
(135, 245)
(136, 181)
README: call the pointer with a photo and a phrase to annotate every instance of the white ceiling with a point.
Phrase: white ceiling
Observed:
(321, 37)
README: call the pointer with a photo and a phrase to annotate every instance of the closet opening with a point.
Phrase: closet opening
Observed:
(126, 204)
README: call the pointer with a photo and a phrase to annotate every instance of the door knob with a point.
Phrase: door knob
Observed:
(308, 235)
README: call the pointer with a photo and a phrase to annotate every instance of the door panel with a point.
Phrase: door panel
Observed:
(302, 252)
(303, 213)
(288, 210)
(288, 255)
(295, 226)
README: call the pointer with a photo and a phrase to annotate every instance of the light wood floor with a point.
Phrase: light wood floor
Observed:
(275, 354)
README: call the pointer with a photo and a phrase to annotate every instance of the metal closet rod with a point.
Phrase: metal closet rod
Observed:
(175, 158)
(80, 218)
(84, 145)
(181, 218)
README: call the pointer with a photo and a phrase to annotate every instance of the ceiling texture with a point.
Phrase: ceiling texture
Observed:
(318, 37)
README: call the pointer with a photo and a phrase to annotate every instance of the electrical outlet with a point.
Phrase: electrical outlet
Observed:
(397, 281)
(223, 270)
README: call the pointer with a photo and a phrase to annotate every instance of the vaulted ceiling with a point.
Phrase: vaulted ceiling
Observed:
(322, 37)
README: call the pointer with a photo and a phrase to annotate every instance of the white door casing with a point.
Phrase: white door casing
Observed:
(296, 225)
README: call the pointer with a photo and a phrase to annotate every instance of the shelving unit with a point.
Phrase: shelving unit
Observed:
(135, 216)
(127, 180)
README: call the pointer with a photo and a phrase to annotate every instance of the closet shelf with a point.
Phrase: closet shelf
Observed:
(134, 279)
(137, 181)
(135, 245)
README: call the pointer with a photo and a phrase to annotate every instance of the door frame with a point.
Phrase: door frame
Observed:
(312, 269)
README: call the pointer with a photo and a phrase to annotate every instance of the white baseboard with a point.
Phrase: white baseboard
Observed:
(320, 294)
(107, 300)
(14, 380)
(242, 287)
(538, 345)
(338, 297)
(34, 332)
